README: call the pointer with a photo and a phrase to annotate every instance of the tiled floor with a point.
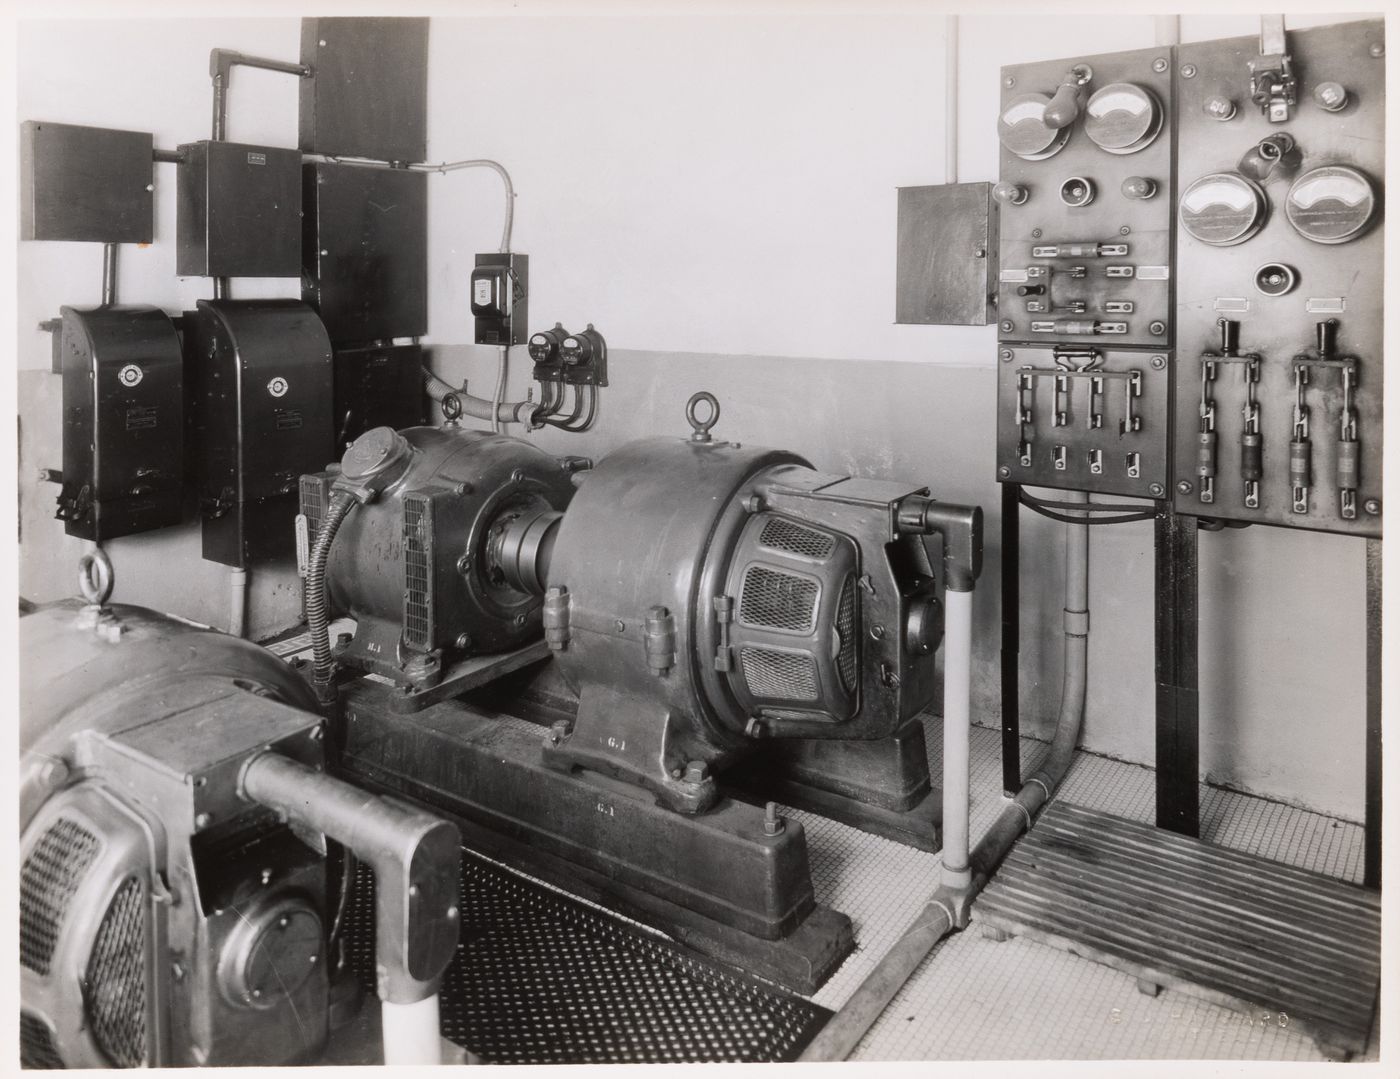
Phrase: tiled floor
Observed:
(976, 999)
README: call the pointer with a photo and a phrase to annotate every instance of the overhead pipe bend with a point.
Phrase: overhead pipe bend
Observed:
(947, 909)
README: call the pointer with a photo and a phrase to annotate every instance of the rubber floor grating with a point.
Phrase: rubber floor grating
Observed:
(1219, 924)
(539, 978)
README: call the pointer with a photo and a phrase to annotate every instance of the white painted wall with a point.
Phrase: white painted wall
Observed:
(717, 195)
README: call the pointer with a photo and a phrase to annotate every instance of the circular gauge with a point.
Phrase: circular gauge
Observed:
(1331, 205)
(1022, 128)
(1223, 209)
(1122, 118)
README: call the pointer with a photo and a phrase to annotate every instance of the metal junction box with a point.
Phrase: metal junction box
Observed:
(366, 251)
(368, 91)
(500, 298)
(377, 387)
(1280, 300)
(85, 183)
(238, 211)
(260, 374)
(123, 422)
(946, 257)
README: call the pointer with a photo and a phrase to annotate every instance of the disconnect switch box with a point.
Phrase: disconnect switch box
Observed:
(500, 298)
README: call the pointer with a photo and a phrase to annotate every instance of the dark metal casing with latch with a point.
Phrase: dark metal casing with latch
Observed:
(945, 266)
(238, 211)
(260, 375)
(123, 422)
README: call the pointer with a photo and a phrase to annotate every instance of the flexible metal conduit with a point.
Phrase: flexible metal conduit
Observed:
(317, 618)
(947, 908)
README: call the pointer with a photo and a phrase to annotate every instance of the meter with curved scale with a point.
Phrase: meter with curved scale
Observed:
(1331, 205)
(1023, 130)
(1223, 209)
(1123, 118)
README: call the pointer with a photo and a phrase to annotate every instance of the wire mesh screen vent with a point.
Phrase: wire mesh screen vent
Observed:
(776, 600)
(786, 676)
(846, 631)
(313, 502)
(47, 881)
(115, 989)
(417, 570)
(539, 978)
(780, 534)
(36, 1047)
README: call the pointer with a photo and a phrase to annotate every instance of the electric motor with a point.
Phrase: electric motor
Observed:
(419, 565)
(163, 921)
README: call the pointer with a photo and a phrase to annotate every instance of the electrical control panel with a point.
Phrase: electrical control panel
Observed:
(238, 212)
(123, 422)
(500, 296)
(260, 372)
(85, 183)
(1084, 294)
(1281, 154)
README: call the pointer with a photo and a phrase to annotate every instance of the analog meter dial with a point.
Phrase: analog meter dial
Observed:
(1123, 118)
(1331, 205)
(1023, 130)
(1223, 209)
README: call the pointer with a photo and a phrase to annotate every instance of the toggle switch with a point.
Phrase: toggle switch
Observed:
(1138, 187)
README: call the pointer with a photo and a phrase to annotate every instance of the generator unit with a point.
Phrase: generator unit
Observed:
(177, 887)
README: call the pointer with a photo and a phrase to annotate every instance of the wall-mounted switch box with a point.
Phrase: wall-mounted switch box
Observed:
(238, 211)
(500, 295)
(85, 183)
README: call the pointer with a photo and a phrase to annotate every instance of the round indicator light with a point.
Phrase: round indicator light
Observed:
(1223, 209)
(1022, 129)
(1275, 279)
(1122, 118)
(1331, 205)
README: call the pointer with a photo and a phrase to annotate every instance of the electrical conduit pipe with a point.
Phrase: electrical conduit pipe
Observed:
(947, 909)
(479, 407)
(416, 859)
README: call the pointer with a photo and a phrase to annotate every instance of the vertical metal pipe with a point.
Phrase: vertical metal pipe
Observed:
(109, 274)
(1010, 638)
(220, 108)
(220, 288)
(957, 734)
(1178, 690)
(1166, 29)
(950, 99)
(1372, 870)
(237, 601)
(412, 1034)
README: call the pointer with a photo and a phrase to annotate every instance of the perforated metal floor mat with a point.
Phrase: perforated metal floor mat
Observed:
(539, 978)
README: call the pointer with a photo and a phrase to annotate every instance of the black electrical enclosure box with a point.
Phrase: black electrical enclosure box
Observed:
(238, 211)
(85, 183)
(260, 374)
(368, 92)
(500, 294)
(123, 422)
(377, 387)
(366, 251)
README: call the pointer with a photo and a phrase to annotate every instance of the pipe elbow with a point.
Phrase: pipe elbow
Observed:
(961, 530)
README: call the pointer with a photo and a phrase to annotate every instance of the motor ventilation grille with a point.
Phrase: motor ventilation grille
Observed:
(312, 492)
(36, 1047)
(114, 991)
(772, 599)
(787, 676)
(418, 571)
(48, 879)
(846, 632)
(780, 534)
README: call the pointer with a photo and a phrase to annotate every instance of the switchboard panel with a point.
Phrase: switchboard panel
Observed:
(85, 183)
(365, 251)
(1281, 148)
(238, 212)
(1084, 292)
(123, 422)
(946, 256)
(368, 91)
(260, 371)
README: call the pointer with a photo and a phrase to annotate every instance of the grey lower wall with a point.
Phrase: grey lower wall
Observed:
(1282, 633)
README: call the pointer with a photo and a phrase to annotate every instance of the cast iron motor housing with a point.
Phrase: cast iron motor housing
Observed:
(164, 920)
(419, 567)
(703, 594)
